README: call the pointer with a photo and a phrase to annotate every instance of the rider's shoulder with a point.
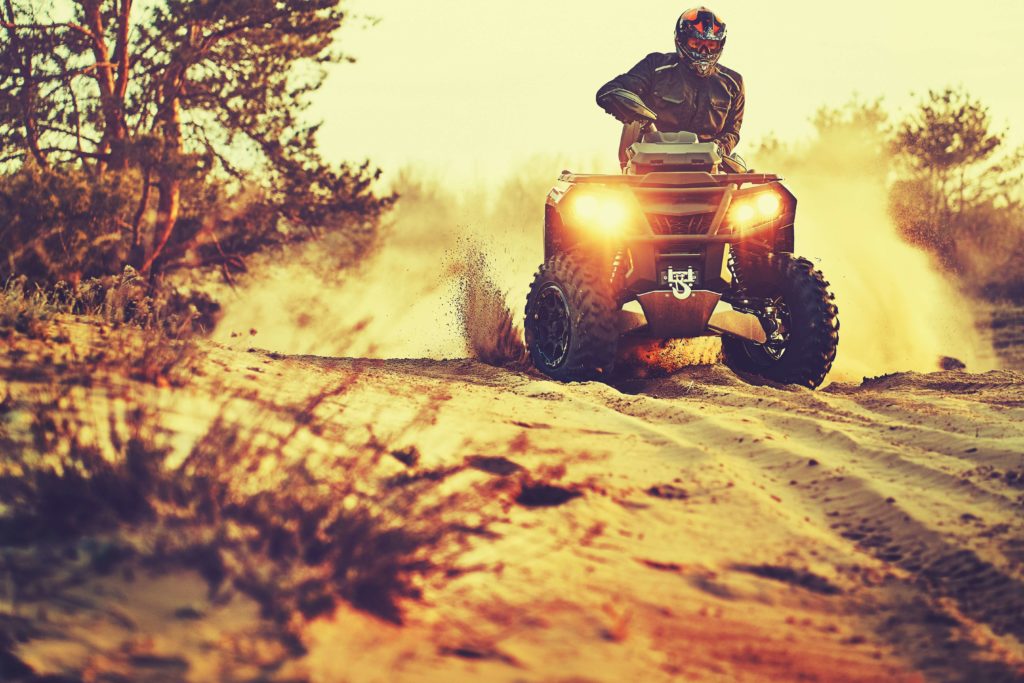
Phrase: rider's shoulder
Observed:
(731, 75)
(661, 60)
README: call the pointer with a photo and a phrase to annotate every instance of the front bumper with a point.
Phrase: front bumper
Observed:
(666, 316)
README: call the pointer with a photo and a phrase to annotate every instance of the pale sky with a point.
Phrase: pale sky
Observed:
(475, 87)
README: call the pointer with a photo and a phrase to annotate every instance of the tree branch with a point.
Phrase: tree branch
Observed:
(27, 92)
(67, 131)
(121, 48)
(78, 28)
(94, 155)
(143, 201)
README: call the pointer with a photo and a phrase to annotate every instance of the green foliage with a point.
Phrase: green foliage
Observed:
(958, 192)
(948, 131)
(169, 135)
(62, 225)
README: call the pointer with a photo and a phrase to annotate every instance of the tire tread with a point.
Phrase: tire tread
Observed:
(595, 335)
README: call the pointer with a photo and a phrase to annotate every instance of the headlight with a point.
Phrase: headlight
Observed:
(769, 205)
(755, 209)
(608, 212)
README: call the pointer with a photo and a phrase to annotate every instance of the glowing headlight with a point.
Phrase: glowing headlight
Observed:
(743, 213)
(768, 205)
(606, 212)
(755, 209)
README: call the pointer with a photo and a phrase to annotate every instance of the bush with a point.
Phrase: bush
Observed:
(295, 540)
(26, 310)
(958, 193)
(122, 299)
(63, 225)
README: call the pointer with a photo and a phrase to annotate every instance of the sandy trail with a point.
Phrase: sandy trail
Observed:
(694, 527)
(748, 531)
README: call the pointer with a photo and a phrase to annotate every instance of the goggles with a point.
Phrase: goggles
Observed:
(705, 46)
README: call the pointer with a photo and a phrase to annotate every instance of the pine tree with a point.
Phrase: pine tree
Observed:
(206, 95)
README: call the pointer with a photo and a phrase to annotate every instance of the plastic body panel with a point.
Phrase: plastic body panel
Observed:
(697, 201)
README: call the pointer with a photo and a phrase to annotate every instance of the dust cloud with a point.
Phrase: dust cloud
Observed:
(451, 274)
(448, 280)
(897, 311)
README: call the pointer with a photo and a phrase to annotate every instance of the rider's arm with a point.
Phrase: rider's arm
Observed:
(730, 134)
(637, 80)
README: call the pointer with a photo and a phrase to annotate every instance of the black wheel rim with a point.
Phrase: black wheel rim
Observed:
(552, 327)
(772, 351)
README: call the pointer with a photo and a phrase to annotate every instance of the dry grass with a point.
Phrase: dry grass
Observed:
(296, 538)
(125, 299)
(82, 495)
(25, 310)
(140, 338)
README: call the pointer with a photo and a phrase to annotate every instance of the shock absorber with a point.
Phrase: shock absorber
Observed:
(766, 310)
(737, 274)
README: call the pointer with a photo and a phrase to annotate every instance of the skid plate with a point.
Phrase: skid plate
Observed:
(669, 316)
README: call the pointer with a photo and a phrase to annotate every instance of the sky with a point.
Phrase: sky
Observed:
(471, 88)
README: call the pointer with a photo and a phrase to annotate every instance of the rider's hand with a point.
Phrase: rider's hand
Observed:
(616, 108)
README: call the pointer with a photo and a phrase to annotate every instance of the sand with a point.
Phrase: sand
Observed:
(693, 527)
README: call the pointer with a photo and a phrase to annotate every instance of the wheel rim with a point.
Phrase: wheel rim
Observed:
(773, 350)
(552, 326)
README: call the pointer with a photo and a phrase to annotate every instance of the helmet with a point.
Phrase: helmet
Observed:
(700, 37)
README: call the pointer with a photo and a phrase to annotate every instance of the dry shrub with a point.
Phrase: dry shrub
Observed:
(295, 538)
(306, 539)
(127, 298)
(80, 491)
(25, 310)
(64, 225)
(146, 337)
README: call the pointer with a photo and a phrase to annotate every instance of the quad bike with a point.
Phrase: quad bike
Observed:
(698, 244)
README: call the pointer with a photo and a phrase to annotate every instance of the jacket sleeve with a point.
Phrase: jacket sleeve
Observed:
(637, 80)
(730, 134)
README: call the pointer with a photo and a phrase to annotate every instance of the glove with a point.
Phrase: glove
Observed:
(613, 104)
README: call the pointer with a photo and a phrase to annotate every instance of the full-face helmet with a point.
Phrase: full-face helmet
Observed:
(700, 37)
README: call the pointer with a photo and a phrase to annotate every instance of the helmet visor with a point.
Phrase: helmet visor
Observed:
(709, 47)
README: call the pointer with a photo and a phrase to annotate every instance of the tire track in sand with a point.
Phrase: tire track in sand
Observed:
(944, 589)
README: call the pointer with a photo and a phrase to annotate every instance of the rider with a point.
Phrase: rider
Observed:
(688, 89)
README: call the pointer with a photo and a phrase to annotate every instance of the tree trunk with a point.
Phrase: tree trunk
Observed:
(121, 55)
(115, 130)
(169, 181)
(141, 210)
(28, 97)
(168, 186)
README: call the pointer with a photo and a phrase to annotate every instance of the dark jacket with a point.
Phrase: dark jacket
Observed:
(711, 107)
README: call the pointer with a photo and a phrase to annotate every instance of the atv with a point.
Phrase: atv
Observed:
(685, 243)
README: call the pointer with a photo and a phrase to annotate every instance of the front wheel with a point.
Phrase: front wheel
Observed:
(802, 320)
(570, 319)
